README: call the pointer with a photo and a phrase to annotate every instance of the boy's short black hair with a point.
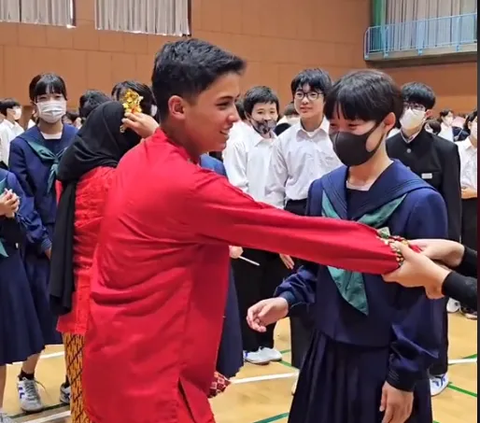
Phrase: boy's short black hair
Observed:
(417, 92)
(142, 89)
(8, 103)
(72, 115)
(240, 109)
(367, 95)
(318, 80)
(257, 95)
(90, 100)
(188, 67)
(47, 83)
(470, 118)
(434, 125)
(290, 110)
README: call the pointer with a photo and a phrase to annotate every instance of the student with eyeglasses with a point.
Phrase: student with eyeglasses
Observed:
(436, 160)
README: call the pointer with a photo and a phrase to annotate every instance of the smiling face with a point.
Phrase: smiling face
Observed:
(308, 103)
(208, 118)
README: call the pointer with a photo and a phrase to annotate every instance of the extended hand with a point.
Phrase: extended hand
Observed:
(266, 312)
(448, 252)
(144, 125)
(396, 404)
(418, 270)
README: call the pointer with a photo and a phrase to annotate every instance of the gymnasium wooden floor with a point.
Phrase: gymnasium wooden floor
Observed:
(262, 394)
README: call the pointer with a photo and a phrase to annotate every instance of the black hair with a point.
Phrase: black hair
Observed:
(188, 67)
(8, 103)
(240, 109)
(281, 128)
(71, 115)
(290, 110)
(318, 80)
(435, 125)
(470, 118)
(47, 83)
(90, 100)
(417, 92)
(367, 95)
(444, 113)
(257, 95)
(141, 89)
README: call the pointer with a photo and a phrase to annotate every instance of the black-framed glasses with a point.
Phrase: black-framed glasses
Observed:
(311, 95)
(414, 106)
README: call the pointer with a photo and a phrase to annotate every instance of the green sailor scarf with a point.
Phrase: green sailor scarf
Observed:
(351, 284)
(47, 156)
(3, 252)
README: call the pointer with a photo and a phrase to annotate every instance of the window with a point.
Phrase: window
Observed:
(42, 12)
(162, 17)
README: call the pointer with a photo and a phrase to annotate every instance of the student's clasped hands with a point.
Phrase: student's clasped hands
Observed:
(9, 204)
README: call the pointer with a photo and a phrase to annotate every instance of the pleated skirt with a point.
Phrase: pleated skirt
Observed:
(341, 383)
(20, 332)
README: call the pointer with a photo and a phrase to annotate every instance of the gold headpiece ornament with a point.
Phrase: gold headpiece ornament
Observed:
(131, 103)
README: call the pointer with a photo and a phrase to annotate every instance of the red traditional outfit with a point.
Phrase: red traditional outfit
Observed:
(160, 279)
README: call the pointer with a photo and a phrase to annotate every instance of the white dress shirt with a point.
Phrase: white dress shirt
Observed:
(446, 132)
(468, 164)
(247, 159)
(8, 132)
(299, 158)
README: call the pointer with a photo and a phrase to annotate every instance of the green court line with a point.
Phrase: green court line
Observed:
(451, 386)
(462, 391)
(49, 408)
(273, 419)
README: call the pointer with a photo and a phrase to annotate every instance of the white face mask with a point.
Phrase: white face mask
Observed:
(412, 119)
(473, 130)
(52, 111)
(17, 113)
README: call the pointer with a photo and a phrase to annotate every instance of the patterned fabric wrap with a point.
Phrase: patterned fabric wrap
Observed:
(390, 240)
(219, 384)
(73, 357)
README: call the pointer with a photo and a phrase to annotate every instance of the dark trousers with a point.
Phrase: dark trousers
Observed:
(469, 223)
(440, 366)
(3, 165)
(256, 283)
(301, 325)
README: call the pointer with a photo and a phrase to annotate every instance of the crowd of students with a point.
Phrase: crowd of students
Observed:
(359, 149)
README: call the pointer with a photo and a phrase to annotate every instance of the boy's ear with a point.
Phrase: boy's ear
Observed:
(429, 113)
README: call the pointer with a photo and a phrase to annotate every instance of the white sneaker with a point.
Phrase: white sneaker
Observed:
(29, 397)
(452, 306)
(257, 357)
(438, 384)
(65, 392)
(272, 353)
(5, 419)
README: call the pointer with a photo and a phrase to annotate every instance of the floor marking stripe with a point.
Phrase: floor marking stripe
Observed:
(264, 378)
(51, 418)
(273, 419)
(462, 391)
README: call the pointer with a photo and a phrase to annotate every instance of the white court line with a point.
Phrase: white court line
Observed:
(463, 361)
(51, 418)
(263, 378)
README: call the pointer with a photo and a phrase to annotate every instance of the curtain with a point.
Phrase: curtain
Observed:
(43, 12)
(163, 17)
(423, 24)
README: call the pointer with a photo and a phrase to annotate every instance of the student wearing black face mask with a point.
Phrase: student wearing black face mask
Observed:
(437, 161)
(372, 342)
(247, 161)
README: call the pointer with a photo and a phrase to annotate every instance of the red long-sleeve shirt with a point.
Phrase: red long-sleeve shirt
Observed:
(160, 278)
